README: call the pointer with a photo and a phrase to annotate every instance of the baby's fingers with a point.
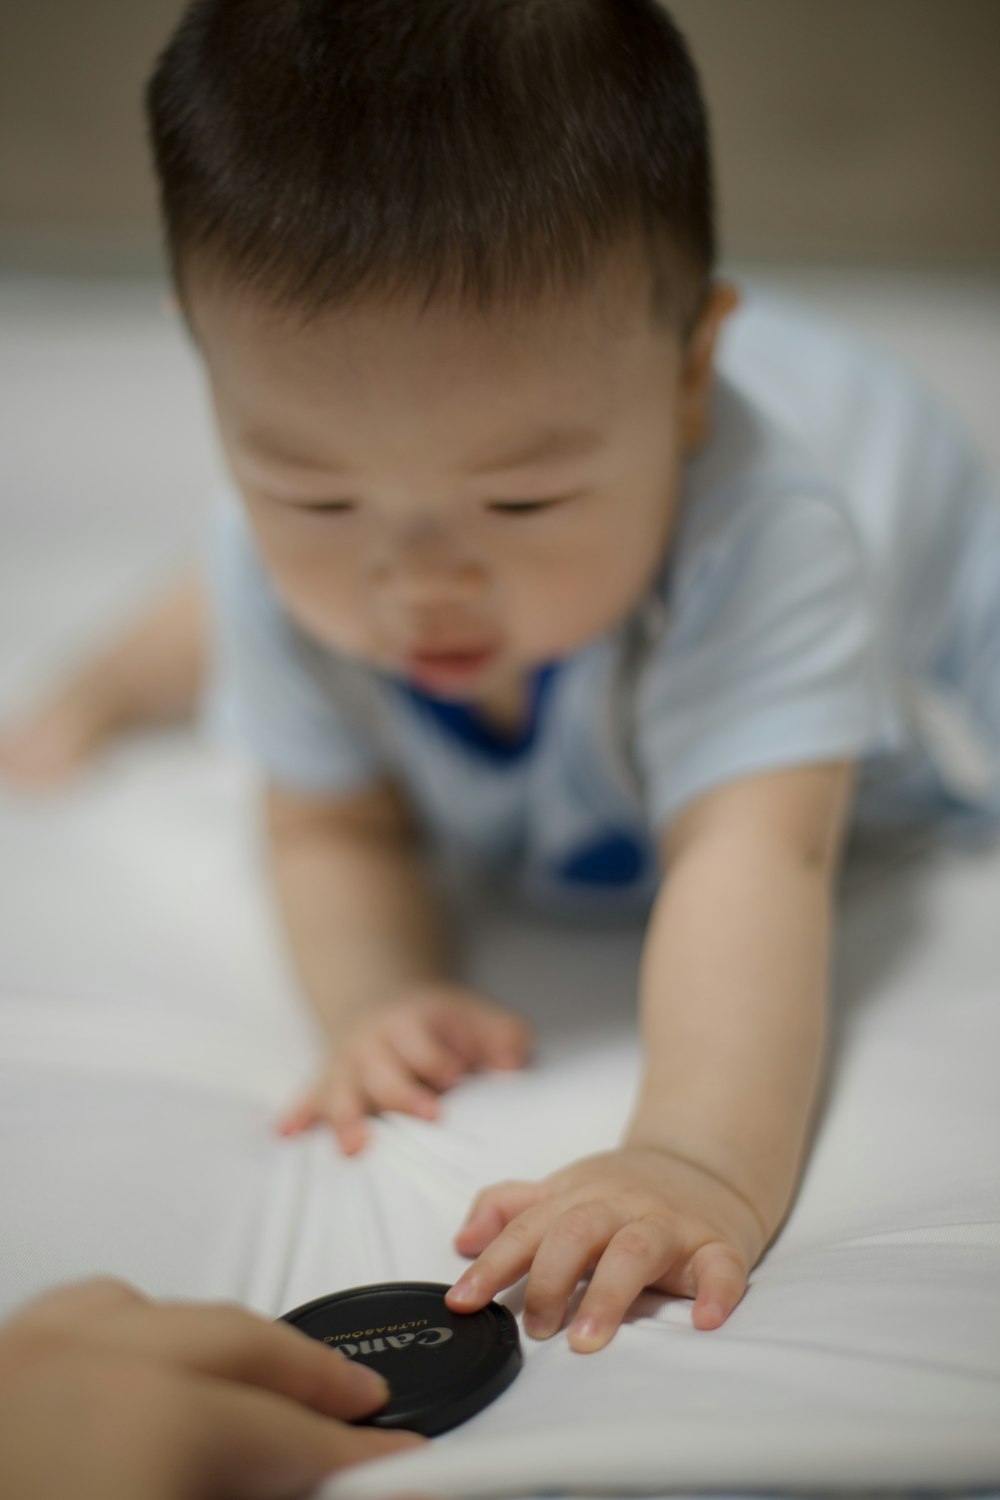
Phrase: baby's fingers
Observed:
(486, 1035)
(300, 1116)
(428, 1057)
(721, 1274)
(634, 1257)
(390, 1084)
(370, 1078)
(645, 1252)
(338, 1100)
(492, 1209)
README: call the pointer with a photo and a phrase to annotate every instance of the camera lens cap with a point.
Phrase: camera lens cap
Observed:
(442, 1367)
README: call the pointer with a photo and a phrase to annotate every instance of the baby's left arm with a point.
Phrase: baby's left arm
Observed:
(733, 1013)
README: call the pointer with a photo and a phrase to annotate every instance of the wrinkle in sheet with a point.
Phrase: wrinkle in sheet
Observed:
(572, 1458)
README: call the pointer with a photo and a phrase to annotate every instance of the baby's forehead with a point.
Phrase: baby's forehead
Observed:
(613, 306)
(421, 375)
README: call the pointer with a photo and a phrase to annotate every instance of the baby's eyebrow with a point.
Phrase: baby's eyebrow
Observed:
(548, 443)
(551, 442)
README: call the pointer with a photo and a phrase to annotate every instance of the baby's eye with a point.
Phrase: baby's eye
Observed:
(520, 507)
(324, 507)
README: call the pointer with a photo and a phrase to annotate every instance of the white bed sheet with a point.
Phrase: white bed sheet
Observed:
(149, 1031)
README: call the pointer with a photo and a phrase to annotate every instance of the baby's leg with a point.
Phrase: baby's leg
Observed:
(150, 675)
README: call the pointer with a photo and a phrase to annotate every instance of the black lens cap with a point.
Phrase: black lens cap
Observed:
(442, 1367)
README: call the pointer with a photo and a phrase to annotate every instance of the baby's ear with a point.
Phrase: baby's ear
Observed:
(699, 357)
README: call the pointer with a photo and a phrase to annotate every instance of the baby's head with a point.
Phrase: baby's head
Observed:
(449, 265)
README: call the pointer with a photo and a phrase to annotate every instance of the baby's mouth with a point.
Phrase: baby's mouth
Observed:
(449, 667)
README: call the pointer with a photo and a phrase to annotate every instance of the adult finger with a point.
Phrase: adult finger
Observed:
(75, 1304)
(641, 1252)
(230, 1342)
(59, 1317)
(221, 1339)
(262, 1448)
(129, 1426)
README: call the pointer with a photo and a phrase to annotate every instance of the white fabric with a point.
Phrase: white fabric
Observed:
(150, 1030)
(145, 1053)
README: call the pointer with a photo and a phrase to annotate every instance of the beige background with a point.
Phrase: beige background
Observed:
(846, 131)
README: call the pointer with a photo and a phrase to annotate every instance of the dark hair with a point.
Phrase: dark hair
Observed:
(320, 150)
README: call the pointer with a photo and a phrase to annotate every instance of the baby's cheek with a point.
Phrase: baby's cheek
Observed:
(556, 619)
(590, 595)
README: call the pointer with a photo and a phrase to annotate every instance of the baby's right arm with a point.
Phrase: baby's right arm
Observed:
(371, 948)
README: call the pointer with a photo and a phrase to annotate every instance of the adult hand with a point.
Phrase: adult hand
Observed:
(106, 1395)
(395, 1055)
(642, 1216)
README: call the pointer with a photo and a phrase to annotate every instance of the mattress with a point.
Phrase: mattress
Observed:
(151, 1030)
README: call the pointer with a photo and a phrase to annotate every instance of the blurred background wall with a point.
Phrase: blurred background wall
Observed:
(846, 131)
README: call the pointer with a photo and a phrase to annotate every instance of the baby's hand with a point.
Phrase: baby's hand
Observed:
(384, 1058)
(645, 1217)
(53, 742)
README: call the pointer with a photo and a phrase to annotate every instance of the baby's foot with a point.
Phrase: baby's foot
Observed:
(59, 738)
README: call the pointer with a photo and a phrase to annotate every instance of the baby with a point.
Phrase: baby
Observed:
(509, 567)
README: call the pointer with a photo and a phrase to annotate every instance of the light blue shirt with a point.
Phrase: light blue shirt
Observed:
(827, 591)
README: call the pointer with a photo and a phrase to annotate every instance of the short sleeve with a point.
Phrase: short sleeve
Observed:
(272, 693)
(771, 656)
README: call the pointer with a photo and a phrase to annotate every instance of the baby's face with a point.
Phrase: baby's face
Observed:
(451, 499)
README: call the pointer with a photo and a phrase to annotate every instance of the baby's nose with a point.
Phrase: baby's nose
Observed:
(429, 571)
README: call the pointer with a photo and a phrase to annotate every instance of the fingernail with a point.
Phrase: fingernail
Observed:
(586, 1330)
(714, 1312)
(463, 1291)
